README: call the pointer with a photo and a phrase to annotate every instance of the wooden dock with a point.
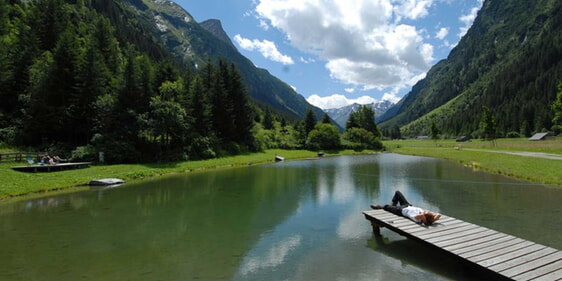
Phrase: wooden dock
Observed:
(51, 168)
(506, 256)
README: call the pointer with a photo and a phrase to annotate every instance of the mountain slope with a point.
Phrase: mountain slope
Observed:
(510, 60)
(195, 43)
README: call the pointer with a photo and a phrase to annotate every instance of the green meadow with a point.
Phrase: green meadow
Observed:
(499, 157)
(13, 183)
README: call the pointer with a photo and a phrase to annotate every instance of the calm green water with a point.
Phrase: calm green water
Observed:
(286, 221)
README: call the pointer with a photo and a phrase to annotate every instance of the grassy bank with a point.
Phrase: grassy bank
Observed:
(482, 155)
(14, 183)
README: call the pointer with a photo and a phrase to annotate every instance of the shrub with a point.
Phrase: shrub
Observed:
(324, 136)
(512, 135)
(84, 153)
(202, 148)
(360, 138)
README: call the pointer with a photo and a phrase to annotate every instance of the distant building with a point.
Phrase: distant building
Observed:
(422, 138)
(539, 136)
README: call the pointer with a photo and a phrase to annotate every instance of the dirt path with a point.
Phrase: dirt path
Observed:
(522, 153)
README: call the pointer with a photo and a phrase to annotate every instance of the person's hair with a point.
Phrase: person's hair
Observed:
(429, 218)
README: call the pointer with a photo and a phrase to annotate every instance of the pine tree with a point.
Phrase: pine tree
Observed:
(309, 121)
(242, 114)
(352, 121)
(267, 119)
(434, 131)
(221, 104)
(488, 124)
(557, 110)
(326, 119)
(198, 107)
(367, 120)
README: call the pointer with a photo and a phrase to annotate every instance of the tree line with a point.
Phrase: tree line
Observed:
(70, 82)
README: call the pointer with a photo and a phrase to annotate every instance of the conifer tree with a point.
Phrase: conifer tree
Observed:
(488, 124)
(267, 119)
(198, 107)
(326, 119)
(557, 110)
(309, 121)
(242, 113)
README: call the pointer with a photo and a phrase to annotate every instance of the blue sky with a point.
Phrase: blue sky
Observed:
(337, 52)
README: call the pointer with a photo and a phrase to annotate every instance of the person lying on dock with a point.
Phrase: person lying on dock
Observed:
(401, 207)
(58, 159)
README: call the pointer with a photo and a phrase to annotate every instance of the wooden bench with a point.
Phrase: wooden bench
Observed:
(507, 256)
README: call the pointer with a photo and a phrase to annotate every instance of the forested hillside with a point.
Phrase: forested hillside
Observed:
(193, 43)
(69, 77)
(510, 61)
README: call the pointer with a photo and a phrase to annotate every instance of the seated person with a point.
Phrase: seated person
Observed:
(45, 159)
(400, 206)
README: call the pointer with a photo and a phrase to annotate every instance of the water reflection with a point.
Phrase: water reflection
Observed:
(288, 221)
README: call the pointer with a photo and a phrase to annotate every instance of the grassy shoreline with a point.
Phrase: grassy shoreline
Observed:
(536, 170)
(489, 158)
(16, 184)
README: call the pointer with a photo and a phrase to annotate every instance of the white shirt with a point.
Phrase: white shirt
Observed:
(411, 211)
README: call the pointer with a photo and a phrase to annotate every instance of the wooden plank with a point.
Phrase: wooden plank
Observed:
(49, 168)
(531, 265)
(432, 230)
(501, 251)
(418, 229)
(555, 275)
(510, 256)
(450, 233)
(439, 227)
(471, 242)
(543, 270)
(460, 245)
(523, 259)
(493, 249)
(498, 252)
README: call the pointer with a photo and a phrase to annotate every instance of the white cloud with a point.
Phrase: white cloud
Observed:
(442, 33)
(307, 60)
(469, 18)
(392, 97)
(363, 42)
(265, 47)
(350, 90)
(413, 9)
(337, 101)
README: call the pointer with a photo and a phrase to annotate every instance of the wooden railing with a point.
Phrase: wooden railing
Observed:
(20, 156)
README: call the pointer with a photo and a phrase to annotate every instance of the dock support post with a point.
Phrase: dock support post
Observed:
(376, 228)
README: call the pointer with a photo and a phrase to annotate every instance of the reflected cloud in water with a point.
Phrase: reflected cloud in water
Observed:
(273, 257)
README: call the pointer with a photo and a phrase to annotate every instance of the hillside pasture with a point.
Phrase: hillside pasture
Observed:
(486, 156)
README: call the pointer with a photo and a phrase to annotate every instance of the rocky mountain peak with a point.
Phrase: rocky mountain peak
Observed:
(214, 26)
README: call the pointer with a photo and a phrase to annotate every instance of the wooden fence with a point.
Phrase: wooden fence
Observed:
(20, 156)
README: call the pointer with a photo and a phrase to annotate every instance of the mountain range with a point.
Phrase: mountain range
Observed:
(509, 61)
(195, 43)
(340, 115)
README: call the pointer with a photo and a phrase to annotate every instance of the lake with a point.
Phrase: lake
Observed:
(296, 220)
